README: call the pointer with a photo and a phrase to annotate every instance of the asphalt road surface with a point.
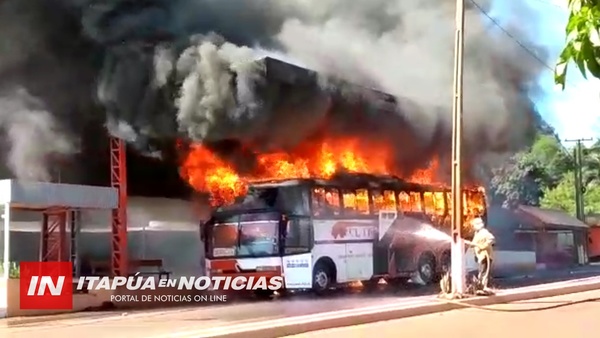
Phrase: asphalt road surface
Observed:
(133, 324)
(578, 320)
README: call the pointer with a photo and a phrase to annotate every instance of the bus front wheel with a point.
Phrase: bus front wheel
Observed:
(322, 278)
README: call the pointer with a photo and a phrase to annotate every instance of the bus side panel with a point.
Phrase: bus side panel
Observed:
(337, 253)
(359, 261)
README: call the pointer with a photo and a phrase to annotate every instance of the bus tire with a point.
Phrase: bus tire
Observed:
(426, 268)
(322, 277)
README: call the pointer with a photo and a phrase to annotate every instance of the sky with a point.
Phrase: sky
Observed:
(575, 112)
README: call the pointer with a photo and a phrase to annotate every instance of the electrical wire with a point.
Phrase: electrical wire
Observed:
(510, 35)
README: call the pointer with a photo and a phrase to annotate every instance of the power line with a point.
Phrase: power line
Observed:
(511, 36)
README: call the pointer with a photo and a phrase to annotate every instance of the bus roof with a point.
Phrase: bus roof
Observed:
(354, 181)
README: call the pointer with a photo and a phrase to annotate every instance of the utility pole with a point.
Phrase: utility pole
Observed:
(578, 175)
(457, 249)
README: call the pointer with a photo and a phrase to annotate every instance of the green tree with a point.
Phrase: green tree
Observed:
(591, 165)
(525, 176)
(583, 40)
(519, 181)
(562, 197)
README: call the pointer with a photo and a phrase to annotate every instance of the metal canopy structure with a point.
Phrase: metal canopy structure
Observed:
(59, 204)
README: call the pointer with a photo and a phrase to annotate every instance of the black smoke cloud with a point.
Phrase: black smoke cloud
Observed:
(152, 70)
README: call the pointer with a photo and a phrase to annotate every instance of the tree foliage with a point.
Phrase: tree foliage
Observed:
(583, 40)
(562, 197)
(542, 175)
(523, 179)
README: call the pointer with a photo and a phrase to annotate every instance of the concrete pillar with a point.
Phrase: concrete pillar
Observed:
(458, 266)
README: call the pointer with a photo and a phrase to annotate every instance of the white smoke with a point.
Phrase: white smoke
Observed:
(32, 136)
(217, 79)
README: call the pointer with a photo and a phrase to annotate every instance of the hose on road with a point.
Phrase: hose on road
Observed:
(531, 309)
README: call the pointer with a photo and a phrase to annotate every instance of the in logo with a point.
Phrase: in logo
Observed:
(46, 285)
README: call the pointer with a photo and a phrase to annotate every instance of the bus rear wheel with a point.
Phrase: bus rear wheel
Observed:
(426, 268)
(322, 278)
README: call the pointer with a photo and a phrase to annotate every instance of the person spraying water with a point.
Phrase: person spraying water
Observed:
(482, 243)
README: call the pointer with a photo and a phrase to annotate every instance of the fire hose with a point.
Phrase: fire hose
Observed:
(531, 309)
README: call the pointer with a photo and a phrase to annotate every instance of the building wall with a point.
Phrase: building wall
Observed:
(158, 229)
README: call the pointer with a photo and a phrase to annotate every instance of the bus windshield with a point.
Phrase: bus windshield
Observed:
(246, 235)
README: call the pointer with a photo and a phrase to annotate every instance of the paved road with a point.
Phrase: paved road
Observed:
(135, 324)
(573, 321)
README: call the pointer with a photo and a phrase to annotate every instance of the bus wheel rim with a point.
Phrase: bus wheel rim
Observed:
(321, 279)
(426, 270)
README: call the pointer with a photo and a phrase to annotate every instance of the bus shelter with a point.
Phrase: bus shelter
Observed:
(59, 206)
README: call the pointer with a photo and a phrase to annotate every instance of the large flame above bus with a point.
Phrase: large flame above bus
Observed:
(206, 172)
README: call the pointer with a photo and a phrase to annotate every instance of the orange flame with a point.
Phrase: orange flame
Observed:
(206, 172)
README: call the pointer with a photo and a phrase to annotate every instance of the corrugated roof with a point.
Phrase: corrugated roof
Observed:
(552, 217)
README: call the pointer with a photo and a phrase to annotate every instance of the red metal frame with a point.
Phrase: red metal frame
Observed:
(118, 180)
(54, 246)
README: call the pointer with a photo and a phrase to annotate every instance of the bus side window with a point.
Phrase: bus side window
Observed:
(332, 198)
(318, 199)
(415, 202)
(378, 202)
(385, 201)
(325, 202)
(355, 202)
(362, 201)
(428, 203)
(389, 198)
(439, 203)
(404, 203)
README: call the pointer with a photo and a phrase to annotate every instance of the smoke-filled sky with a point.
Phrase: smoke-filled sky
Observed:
(151, 69)
(574, 113)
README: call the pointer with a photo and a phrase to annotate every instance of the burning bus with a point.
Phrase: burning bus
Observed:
(319, 233)
(319, 188)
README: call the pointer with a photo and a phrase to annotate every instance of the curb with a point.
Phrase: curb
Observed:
(303, 324)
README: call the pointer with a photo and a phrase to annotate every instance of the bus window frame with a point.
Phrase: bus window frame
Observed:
(357, 214)
(381, 191)
(312, 187)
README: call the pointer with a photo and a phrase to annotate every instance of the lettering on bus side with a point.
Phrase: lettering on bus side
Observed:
(354, 230)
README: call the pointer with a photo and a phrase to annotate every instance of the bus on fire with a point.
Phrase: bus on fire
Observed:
(321, 233)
